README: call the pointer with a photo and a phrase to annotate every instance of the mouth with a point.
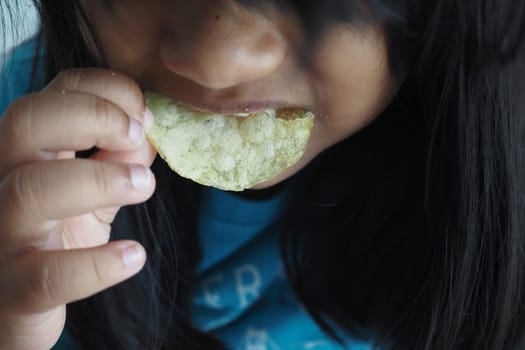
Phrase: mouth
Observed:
(236, 109)
(277, 110)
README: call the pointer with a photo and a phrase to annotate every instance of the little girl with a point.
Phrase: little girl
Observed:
(401, 227)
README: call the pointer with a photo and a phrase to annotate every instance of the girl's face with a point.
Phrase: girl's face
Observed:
(227, 58)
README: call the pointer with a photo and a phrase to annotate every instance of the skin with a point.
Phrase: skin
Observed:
(239, 59)
(57, 210)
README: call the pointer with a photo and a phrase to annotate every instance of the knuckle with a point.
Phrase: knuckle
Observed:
(22, 190)
(18, 119)
(43, 282)
(133, 95)
(103, 178)
(15, 108)
(103, 111)
(98, 272)
(69, 78)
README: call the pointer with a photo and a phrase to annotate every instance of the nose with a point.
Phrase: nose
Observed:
(223, 49)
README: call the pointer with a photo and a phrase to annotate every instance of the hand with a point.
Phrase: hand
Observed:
(56, 210)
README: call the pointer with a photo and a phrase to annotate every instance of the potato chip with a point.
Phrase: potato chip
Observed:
(228, 152)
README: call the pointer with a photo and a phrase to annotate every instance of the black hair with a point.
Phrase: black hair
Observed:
(410, 233)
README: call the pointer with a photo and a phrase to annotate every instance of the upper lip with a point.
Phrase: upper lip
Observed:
(223, 103)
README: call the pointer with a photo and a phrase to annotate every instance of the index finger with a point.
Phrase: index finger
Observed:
(105, 83)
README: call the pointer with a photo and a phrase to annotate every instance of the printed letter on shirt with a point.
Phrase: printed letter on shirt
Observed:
(212, 299)
(248, 281)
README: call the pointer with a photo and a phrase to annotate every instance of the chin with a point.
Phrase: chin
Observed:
(285, 175)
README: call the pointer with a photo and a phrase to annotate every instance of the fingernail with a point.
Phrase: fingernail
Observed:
(136, 131)
(140, 177)
(132, 256)
(149, 119)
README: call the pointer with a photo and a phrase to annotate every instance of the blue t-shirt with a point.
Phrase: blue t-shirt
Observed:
(242, 294)
(16, 72)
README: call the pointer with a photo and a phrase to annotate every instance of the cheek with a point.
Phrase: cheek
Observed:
(128, 36)
(352, 81)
